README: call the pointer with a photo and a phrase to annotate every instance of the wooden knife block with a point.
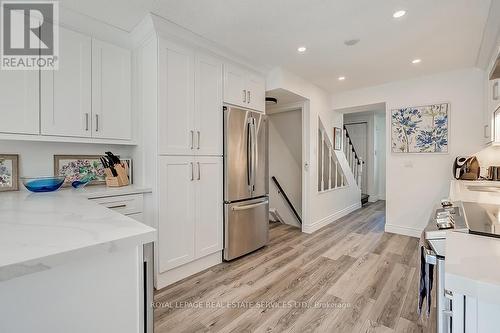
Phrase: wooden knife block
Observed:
(121, 179)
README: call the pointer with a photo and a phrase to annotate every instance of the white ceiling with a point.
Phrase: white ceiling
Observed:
(445, 34)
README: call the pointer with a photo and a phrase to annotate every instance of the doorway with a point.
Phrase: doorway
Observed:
(358, 132)
(288, 178)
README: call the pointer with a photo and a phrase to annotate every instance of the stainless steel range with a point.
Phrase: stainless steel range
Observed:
(435, 255)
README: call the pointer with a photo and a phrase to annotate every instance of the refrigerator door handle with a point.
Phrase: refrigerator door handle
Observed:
(254, 153)
(245, 207)
(249, 154)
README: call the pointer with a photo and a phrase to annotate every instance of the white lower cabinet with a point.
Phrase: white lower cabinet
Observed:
(190, 209)
(473, 315)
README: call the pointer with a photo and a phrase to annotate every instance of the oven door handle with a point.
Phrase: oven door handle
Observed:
(430, 256)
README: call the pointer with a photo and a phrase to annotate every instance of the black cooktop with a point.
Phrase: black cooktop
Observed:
(482, 219)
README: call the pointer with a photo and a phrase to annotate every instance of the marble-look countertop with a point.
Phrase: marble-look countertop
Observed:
(472, 266)
(99, 191)
(38, 230)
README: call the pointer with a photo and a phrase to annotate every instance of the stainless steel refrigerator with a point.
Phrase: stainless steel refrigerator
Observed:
(246, 182)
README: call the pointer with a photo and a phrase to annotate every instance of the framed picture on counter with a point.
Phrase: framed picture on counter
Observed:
(9, 172)
(76, 167)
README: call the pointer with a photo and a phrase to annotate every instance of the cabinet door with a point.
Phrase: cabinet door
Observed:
(209, 218)
(66, 92)
(176, 99)
(176, 205)
(111, 91)
(208, 105)
(256, 97)
(235, 90)
(19, 102)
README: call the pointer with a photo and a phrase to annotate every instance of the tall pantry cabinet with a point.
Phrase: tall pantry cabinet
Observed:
(182, 138)
(180, 91)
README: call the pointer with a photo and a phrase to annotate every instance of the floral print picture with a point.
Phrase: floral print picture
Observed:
(9, 180)
(420, 129)
(77, 167)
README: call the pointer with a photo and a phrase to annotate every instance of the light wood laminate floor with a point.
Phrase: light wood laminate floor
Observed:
(349, 276)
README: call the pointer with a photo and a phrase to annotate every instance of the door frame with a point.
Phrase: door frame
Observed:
(304, 107)
(367, 150)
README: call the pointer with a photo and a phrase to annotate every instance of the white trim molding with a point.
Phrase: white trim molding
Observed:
(310, 228)
(406, 231)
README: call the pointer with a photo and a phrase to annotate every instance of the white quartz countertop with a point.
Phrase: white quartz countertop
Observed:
(39, 229)
(472, 265)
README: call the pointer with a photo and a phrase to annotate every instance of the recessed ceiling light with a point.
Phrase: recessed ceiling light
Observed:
(302, 49)
(341, 78)
(351, 42)
(399, 13)
(416, 61)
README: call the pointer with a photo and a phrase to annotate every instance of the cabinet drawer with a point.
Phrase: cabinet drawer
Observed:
(124, 204)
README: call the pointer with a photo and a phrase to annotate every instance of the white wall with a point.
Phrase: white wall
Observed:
(285, 160)
(416, 182)
(320, 208)
(37, 158)
(380, 154)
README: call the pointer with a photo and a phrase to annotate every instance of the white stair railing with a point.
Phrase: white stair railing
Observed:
(330, 174)
(354, 160)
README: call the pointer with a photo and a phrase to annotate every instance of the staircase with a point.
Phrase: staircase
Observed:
(355, 162)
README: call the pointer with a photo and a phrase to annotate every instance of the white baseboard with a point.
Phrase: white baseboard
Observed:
(372, 198)
(407, 231)
(330, 218)
(179, 273)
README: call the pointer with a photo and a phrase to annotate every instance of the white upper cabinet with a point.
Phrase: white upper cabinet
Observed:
(208, 105)
(245, 89)
(256, 93)
(19, 102)
(176, 99)
(66, 93)
(235, 91)
(111, 91)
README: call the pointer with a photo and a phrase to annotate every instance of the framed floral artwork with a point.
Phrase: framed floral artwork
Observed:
(9, 172)
(420, 129)
(76, 167)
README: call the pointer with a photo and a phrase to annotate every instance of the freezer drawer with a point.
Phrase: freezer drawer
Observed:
(246, 227)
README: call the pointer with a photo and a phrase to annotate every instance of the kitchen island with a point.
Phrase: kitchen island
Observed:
(68, 264)
(473, 278)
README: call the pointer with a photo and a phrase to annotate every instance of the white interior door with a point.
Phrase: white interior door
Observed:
(111, 91)
(66, 92)
(176, 205)
(209, 219)
(358, 133)
(208, 105)
(176, 100)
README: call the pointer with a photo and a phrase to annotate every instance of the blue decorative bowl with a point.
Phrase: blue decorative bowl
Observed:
(43, 184)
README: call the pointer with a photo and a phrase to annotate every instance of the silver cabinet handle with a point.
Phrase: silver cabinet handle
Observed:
(199, 138)
(495, 91)
(244, 96)
(248, 98)
(236, 208)
(192, 139)
(192, 171)
(97, 123)
(87, 121)
(117, 206)
(486, 134)
(199, 171)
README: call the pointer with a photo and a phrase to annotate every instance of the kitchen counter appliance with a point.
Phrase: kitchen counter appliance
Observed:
(246, 181)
